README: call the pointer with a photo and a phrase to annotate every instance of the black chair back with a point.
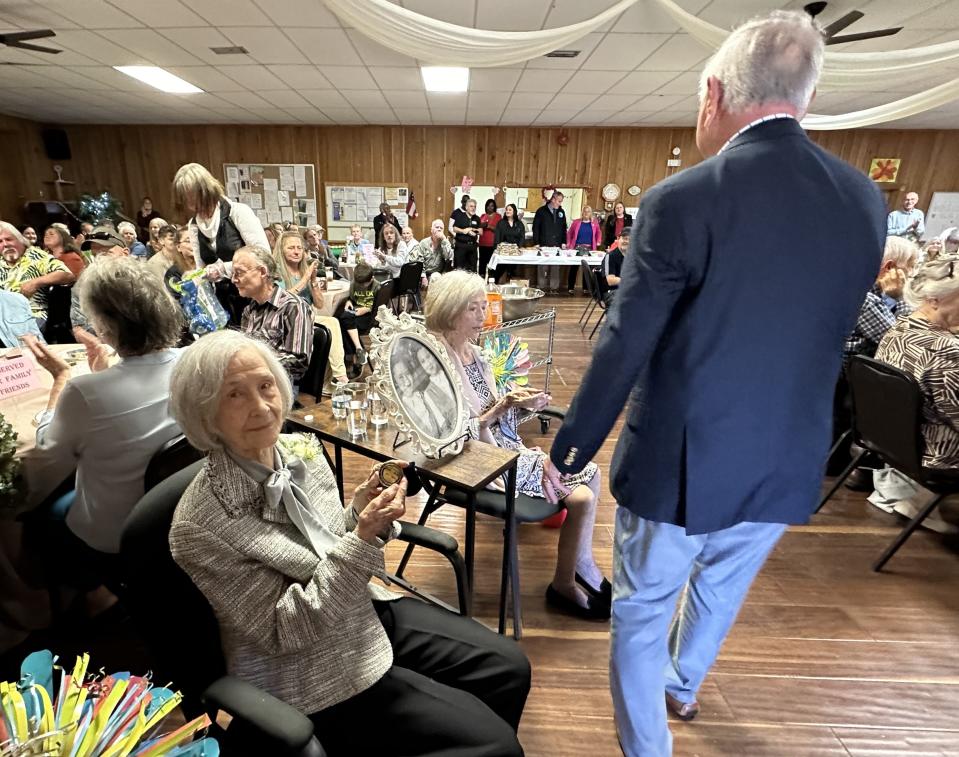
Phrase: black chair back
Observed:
(58, 328)
(600, 286)
(384, 296)
(312, 381)
(887, 413)
(587, 278)
(173, 617)
(409, 279)
(173, 456)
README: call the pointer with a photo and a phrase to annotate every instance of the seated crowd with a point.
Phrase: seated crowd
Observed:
(285, 564)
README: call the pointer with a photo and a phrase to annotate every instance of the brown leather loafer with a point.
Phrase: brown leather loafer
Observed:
(682, 710)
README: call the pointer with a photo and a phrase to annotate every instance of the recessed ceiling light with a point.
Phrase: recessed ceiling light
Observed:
(159, 78)
(445, 78)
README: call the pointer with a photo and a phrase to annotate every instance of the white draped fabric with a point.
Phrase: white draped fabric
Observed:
(442, 43)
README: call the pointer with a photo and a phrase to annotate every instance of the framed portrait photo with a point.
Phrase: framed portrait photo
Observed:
(422, 390)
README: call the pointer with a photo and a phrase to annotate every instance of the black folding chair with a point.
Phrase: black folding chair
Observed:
(173, 456)
(887, 421)
(588, 289)
(312, 381)
(408, 284)
(601, 292)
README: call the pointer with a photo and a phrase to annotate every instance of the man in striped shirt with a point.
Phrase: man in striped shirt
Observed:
(282, 320)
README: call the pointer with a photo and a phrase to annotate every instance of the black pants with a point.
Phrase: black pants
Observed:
(350, 320)
(571, 277)
(464, 256)
(456, 689)
(485, 253)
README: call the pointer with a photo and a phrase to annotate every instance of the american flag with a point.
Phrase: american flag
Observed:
(411, 206)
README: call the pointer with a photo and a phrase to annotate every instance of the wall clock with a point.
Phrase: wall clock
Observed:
(611, 192)
(634, 190)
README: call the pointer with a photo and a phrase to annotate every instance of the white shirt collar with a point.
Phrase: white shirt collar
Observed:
(751, 124)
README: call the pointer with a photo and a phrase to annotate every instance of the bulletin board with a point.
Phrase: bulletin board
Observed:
(348, 204)
(943, 213)
(277, 192)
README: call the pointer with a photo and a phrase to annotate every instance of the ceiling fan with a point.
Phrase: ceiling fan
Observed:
(831, 32)
(20, 41)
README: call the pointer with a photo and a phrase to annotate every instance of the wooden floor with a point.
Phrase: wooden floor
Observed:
(828, 658)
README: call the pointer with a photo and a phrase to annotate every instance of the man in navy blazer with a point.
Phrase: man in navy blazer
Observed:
(744, 276)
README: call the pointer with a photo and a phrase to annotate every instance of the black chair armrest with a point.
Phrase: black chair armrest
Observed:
(288, 729)
(424, 536)
(553, 412)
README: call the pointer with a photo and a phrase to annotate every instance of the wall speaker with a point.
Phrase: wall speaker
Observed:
(56, 144)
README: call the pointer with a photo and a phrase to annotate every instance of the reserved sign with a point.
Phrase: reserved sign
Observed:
(18, 375)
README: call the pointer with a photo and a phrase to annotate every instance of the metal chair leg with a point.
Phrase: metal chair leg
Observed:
(589, 302)
(842, 477)
(428, 510)
(514, 584)
(839, 442)
(598, 323)
(906, 533)
(591, 308)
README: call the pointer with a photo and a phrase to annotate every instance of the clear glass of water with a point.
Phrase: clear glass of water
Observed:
(378, 416)
(358, 409)
(340, 401)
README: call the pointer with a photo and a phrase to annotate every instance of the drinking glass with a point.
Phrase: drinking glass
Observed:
(356, 415)
(378, 416)
(340, 401)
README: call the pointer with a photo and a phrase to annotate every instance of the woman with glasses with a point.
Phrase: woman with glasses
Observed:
(926, 345)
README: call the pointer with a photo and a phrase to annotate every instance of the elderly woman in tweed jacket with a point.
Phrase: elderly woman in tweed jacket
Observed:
(287, 570)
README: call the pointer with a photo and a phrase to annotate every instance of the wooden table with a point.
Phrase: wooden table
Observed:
(470, 472)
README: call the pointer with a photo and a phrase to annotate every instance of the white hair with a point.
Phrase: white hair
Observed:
(901, 251)
(771, 59)
(198, 377)
(262, 257)
(14, 232)
(935, 280)
(126, 225)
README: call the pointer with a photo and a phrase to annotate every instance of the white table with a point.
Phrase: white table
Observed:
(335, 292)
(539, 260)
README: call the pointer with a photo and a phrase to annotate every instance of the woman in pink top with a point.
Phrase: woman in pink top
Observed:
(584, 232)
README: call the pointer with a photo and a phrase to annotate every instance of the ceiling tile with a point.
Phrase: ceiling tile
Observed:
(155, 48)
(349, 77)
(657, 102)
(494, 79)
(684, 84)
(542, 81)
(249, 100)
(266, 44)
(302, 13)
(488, 99)
(730, 15)
(231, 13)
(585, 45)
(530, 99)
(592, 82)
(89, 14)
(379, 115)
(169, 13)
(648, 17)
(109, 79)
(364, 98)
(679, 53)
(301, 77)
(591, 116)
(556, 116)
(446, 100)
(323, 98)
(253, 77)
(198, 41)
(324, 45)
(643, 82)
(460, 12)
(413, 115)
(670, 118)
(623, 52)
(567, 12)
(309, 115)
(520, 116)
(206, 78)
(400, 98)
(99, 48)
(343, 115)
(284, 98)
(373, 54)
(405, 78)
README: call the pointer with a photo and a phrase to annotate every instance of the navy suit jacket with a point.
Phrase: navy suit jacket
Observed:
(743, 277)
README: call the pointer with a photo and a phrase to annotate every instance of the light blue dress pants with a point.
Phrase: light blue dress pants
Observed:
(657, 647)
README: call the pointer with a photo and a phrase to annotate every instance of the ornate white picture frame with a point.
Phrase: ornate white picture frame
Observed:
(421, 388)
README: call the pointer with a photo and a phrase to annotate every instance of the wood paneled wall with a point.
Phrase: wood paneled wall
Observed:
(132, 161)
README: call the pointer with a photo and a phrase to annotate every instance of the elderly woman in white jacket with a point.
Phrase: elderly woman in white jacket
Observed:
(287, 570)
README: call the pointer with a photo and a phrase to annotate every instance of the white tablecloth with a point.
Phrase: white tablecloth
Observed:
(553, 260)
(333, 295)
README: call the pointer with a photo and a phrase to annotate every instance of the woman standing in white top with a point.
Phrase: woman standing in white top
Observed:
(109, 423)
(219, 228)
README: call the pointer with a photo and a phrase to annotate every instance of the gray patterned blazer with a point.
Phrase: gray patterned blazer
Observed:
(301, 628)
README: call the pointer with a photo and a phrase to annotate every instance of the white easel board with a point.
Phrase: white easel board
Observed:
(942, 214)
(277, 192)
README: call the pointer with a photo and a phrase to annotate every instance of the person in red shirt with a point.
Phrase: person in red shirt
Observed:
(488, 222)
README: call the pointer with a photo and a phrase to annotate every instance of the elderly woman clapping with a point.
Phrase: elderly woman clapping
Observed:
(925, 344)
(108, 424)
(455, 311)
(287, 570)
